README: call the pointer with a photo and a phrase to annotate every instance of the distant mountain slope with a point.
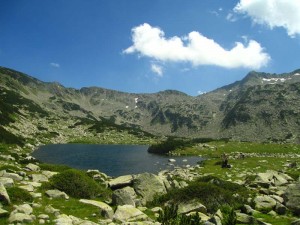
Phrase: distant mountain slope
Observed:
(261, 107)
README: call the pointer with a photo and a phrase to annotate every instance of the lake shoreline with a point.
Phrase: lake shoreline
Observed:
(113, 160)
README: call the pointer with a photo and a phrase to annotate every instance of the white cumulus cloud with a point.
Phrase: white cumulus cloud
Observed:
(157, 69)
(56, 65)
(273, 13)
(195, 48)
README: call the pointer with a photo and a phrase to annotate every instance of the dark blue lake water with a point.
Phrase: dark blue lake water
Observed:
(114, 160)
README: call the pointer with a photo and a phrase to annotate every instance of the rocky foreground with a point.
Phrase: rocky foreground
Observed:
(277, 194)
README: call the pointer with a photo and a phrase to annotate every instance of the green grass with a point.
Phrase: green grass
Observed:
(275, 220)
(219, 147)
(53, 167)
(242, 168)
(210, 191)
(18, 195)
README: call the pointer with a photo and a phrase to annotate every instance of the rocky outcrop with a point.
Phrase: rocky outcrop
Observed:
(272, 178)
(147, 186)
(124, 196)
(22, 214)
(264, 203)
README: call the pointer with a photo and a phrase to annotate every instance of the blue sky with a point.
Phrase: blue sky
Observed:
(144, 46)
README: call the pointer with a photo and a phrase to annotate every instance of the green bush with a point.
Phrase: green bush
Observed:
(18, 195)
(169, 216)
(211, 192)
(77, 184)
(229, 216)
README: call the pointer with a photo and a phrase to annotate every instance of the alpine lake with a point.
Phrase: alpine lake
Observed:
(113, 160)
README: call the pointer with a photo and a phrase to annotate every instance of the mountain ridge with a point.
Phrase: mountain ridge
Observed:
(260, 107)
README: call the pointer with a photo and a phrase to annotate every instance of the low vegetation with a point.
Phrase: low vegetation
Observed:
(212, 192)
(77, 184)
(18, 195)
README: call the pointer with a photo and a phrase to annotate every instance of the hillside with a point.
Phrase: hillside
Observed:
(261, 107)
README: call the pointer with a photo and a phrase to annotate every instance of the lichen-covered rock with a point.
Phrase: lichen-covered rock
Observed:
(56, 194)
(7, 182)
(124, 196)
(127, 213)
(4, 197)
(191, 206)
(25, 208)
(292, 197)
(49, 174)
(14, 176)
(39, 178)
(245, 219)
(21, 218)
(273, 178)
(32, 167)
(148, 185)
(280, 208)
(121, 181)
(49, 209)
(264, 202)
(3, 212)
(63, 219)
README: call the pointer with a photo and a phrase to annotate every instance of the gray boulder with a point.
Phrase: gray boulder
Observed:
(292, 197)
(7, 182)
(105, 210)
(21, 218)
(191, 206)
(148, 185)
(56, 194)
(121, 181)
(49, 209)
(128, 213)
(49, 174)
(3, 195)
(264, 202)
(280, 208)
(245, 219)
(273, 178)
(32, 167)
(25, 208)
(63, 219)
(124, 196)
(14, 176)
(39, 178)
(3, 212)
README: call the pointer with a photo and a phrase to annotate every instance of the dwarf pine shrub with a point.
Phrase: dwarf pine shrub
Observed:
(77, 184)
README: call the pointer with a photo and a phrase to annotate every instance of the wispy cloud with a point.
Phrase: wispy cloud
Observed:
(157, 69)
(273, 13)
(56, 65)
(194, 48)
(231, 17)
